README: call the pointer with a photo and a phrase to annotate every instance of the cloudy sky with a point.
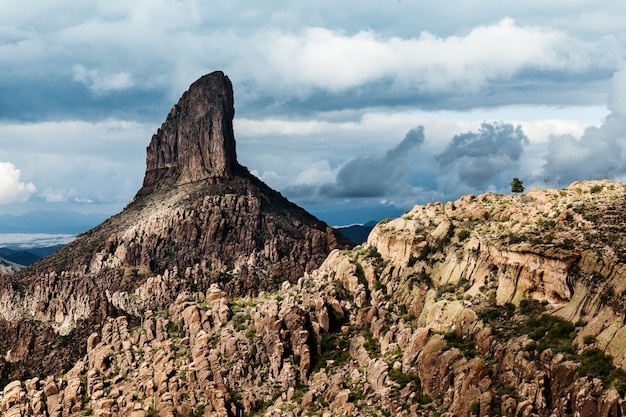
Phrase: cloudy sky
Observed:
(356, 110)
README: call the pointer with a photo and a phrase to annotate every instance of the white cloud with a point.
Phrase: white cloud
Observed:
(83, 200)
(319, 173)
(124, 45)
(386, 59)
(34, 240)
(618, 94)
(54, 195)
(12, 189)
(319, 58)
(73, 159)
(102, 83)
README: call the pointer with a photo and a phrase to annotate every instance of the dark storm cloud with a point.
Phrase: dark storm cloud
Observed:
(367, 176)
(375, 176)
(58, 99)
(599, 153)
(479, 157)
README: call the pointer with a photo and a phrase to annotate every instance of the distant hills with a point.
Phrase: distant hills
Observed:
(357, 233)
(50, 221)
(27, 256)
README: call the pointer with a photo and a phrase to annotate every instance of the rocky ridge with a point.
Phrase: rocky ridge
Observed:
(489, 305)
(199, 219)
(8, 267)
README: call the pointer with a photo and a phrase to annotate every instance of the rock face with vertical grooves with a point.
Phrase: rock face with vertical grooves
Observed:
(196, 142)
(199, 219)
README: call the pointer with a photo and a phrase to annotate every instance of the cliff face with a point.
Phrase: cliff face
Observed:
(196, 141)
(199, 219)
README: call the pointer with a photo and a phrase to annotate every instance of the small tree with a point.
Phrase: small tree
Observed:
(517, 186)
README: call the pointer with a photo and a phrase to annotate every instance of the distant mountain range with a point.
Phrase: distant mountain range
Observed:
(50, 221)
(27, 256)
(357, 233)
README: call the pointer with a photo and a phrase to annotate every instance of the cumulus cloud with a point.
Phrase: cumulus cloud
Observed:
(600, 152)
(375, 176)
(310, 78)
(12, 189)
(127, 46)
(102, 83)
(104, 161)
(477, 158)
(368, 176)
(54, 195)
(320, 58)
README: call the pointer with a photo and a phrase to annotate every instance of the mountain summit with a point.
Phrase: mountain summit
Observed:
(200, 219)
(196, 141)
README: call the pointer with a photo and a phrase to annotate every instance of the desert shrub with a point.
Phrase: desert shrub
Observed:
(445, 288)
(403, 379)
(402, 309)
(530, 307)
(425, 252)
(464, 235)
(456, 341)
(594, 363)
(490, 314)
(513, 238)
(174, 330)
(551, 332)
(596, 189)
(240, 320)
(334, 347)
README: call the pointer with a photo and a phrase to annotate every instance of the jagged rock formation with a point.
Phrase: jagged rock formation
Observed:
(490, 305)
(205, 113)
(199, 219)
(8, 267)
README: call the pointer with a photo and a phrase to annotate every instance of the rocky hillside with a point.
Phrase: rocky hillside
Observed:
(8, 267)
(492, 305)
(199, 219)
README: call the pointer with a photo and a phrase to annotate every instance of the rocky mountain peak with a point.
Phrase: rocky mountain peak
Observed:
(200, 220)
(196, 141)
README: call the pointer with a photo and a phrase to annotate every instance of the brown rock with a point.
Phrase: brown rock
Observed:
(11, 395)
(205, 112)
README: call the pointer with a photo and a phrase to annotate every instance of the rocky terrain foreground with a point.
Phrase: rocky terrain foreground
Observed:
(492, 305)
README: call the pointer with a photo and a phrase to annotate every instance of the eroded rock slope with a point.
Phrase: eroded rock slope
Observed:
(199, 219)
(490, 305)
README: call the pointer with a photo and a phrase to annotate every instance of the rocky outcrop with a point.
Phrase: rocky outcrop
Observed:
(200, 219)
(8, 267)
(205, 113)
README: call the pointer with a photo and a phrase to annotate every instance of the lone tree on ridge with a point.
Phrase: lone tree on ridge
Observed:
(517, 186)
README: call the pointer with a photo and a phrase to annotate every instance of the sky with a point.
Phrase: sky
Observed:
(356, 110)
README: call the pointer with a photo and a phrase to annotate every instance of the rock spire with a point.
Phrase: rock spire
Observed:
(196, 141)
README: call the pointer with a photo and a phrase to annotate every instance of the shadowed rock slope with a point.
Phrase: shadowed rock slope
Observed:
(492, 305)
(199, 219)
